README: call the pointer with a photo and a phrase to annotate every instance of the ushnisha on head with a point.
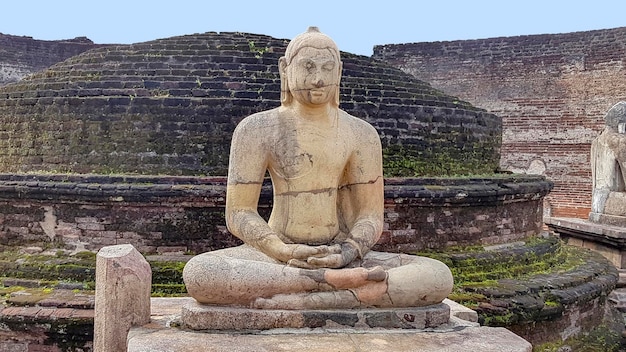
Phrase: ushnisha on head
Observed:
(310, 45)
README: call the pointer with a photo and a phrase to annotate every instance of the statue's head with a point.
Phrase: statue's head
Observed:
(310, 69)
(615, 116)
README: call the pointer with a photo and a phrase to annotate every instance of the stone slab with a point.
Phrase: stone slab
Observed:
(581, 228)
(608, 219)
(461, 311)
(461, 339)
(608, 240)
(197, 316)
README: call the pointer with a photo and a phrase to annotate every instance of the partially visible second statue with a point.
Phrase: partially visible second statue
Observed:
(326, 171)
(608, 165)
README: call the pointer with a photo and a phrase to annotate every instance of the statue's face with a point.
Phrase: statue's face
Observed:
(313, 76)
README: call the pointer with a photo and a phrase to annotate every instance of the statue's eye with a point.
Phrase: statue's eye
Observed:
(329, 66)
(309, 65)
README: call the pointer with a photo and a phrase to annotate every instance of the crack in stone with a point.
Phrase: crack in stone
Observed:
(246, 183)
(313, 191)
(360, 183)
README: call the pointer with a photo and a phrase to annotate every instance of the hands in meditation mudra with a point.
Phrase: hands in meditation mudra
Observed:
(327, 177)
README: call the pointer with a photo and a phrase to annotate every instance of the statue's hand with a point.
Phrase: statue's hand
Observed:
(338, 256)
(288, 253)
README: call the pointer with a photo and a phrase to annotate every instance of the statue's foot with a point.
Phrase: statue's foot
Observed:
(372, 294)
(312, 300)
(348, 278)
(354, 277)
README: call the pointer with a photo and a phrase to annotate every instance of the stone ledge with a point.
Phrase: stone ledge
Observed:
(608, 219)
(585, 229)
(461, 338)
(420, 191)
(606, 239)
(203, 317)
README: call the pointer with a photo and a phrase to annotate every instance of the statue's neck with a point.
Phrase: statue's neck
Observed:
(323, 115)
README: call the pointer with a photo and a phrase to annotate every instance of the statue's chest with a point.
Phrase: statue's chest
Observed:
(309, 154)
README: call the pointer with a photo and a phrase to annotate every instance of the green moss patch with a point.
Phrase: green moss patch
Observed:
(531, 282)
(600, 339)
(62, 269)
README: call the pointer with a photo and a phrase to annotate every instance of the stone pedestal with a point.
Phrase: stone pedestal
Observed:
(462, 339)
(455, 335)
(202, 317)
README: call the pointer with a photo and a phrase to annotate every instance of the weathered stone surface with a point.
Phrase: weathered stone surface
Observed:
(458, 340)
(202, 317)
(123, 283)
(461, 312)
(456, 335)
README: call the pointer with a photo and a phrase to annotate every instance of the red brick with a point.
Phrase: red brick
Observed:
(12, 311)
(83, 313)
(62, 313)
(45, 312)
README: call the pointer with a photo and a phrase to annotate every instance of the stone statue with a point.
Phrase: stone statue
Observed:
(608, 166)
(326, 172)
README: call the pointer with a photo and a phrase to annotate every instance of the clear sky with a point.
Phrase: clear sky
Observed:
(356, 26)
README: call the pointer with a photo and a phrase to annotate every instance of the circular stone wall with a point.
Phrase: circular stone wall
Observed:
(169, 106)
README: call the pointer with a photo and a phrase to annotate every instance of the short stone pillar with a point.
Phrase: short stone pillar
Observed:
(123, 285)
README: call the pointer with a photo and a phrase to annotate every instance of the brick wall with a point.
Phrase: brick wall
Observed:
(21, 56)
(179, 214)
(169, 107)
(551, 91)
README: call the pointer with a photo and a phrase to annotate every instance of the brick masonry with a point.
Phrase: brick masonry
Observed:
(180, 214)
(62, 323)
(22, 56)
(169, 106)
(551, 91)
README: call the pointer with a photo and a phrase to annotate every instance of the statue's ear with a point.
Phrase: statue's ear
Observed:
(285, 95)
(337, 91)
(282, 66)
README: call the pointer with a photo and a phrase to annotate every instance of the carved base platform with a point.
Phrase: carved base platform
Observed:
(202, 317)
(606, 238)
(455, 335)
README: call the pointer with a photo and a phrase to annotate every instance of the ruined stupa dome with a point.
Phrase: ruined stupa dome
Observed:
(169, 106)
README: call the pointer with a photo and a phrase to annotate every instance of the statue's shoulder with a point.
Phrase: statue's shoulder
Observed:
(258, 121)
(357, 125)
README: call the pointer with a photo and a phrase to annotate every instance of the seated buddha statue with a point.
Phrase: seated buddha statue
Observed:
(326, 171)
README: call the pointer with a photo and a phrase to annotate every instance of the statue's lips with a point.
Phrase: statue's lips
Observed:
(317, 92)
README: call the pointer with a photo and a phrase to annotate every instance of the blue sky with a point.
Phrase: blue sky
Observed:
(356, 26)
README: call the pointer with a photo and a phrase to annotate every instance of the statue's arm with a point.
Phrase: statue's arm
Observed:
(366, 192)
(246, 169)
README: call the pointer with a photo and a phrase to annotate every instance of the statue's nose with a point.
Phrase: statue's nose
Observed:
(318, 83)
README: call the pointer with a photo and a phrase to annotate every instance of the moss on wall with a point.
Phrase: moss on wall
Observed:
(170, 106)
